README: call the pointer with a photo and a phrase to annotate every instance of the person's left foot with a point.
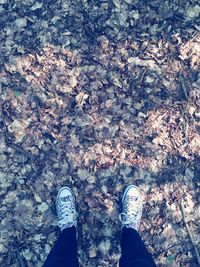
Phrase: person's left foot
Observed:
(65, 207)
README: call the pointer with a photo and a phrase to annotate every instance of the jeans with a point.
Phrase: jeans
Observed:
(134, 252)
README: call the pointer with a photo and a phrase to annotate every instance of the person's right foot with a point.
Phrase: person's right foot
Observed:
(131, 207)
(65, 207)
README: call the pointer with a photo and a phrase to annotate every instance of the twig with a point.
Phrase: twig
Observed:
(37, 104)
(183, 86)
(22, 151)
(190, 234)
(165, 250)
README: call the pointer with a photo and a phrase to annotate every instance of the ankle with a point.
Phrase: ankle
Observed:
(133, 225)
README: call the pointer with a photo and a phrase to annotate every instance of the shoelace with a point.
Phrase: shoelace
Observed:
(132, 212)
(65, 210)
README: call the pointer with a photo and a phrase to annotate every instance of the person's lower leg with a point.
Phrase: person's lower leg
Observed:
(132, 246)
(65, 248)
(64, 252)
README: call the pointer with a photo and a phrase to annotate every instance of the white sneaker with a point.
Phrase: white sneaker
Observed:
(131, 208)
(65, 207)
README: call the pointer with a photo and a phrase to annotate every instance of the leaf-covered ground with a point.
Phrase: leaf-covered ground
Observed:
(97, 95)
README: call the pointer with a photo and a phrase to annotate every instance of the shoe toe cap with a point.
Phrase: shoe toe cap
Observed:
(65, 192)
(133, 190)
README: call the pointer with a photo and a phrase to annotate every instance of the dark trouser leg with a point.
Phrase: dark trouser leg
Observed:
(64, 252)
(134, 252)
